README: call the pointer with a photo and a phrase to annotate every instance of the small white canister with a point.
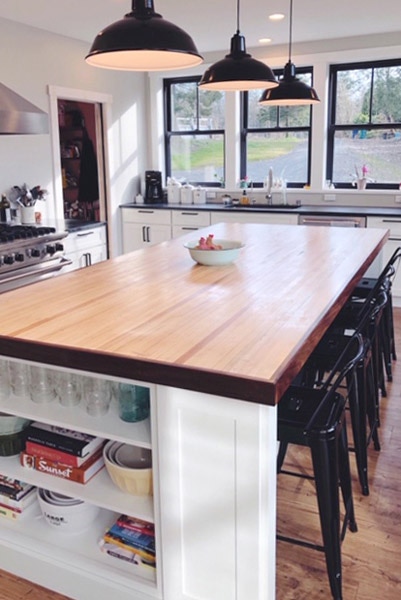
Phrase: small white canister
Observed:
(186, 194)
(199, 195)
(173, 191)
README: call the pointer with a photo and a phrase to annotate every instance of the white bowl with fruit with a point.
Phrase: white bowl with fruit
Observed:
(211, 252)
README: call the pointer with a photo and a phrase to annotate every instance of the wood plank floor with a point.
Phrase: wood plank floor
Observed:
(371, 557)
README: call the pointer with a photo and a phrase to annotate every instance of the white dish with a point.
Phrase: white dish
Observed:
(211, 258)
(133, 457)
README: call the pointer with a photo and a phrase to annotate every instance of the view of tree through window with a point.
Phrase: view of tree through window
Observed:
(194, 133)
(276, 137)
(365, 124)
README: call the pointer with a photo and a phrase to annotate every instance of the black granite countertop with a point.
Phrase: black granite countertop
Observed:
(76, 224)
(303, 209)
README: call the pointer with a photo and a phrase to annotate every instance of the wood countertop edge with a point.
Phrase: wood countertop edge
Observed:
(114, 365)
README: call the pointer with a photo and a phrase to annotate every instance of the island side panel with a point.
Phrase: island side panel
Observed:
(217, 496)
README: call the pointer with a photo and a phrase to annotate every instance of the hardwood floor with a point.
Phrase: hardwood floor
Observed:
(371, 557)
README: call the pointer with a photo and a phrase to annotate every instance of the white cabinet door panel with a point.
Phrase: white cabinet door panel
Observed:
(218, 487)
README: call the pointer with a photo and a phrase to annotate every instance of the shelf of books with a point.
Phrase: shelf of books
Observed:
(54, 469)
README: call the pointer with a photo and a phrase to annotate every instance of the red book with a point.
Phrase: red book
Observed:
(78, 474)
(55, 455)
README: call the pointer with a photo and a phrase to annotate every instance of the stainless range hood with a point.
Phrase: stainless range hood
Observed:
(18, 116)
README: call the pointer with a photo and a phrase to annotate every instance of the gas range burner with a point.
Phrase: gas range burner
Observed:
(10, 233)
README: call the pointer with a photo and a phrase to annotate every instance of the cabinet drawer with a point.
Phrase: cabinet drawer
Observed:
(391, 223)
(191, 218)
(85, 238)
(146, 215)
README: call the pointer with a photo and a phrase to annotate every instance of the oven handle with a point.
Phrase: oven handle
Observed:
(64, 262)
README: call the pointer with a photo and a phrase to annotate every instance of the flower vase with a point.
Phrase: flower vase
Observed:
(27, 215)
(361, 183)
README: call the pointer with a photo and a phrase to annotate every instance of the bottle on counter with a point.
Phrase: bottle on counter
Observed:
(244, 199)
(5, 209)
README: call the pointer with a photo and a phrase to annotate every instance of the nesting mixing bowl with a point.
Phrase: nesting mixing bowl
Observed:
(129, 467)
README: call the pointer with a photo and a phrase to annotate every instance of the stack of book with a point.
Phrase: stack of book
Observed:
(15, 497)
(62, 452)
(132, 540)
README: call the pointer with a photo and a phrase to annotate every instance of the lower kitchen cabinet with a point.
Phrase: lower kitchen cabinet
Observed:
(185, 221)
(144, 227)
(86, 247)
(256, 217)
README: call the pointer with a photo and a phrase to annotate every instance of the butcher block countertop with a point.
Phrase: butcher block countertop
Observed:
(241, 331)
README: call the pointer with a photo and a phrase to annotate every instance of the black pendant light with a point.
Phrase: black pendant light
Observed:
(238, 71)
(143, 41)
(291, 91)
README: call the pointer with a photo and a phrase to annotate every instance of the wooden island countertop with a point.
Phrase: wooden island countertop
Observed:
(241, 331)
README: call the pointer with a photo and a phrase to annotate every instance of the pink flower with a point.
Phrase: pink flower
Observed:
(365, 170)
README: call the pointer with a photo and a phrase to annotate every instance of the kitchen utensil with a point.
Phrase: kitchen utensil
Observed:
(228, 254)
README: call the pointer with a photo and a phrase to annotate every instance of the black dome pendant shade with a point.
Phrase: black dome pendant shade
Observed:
(238, 71)
(143, 41)
(291, 91)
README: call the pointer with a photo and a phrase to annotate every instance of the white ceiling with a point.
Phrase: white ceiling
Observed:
(211, 23)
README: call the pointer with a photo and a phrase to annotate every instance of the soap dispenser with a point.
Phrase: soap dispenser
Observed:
(244, 198)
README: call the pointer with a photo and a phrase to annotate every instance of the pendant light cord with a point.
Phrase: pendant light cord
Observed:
(238, 1)
(290, 36)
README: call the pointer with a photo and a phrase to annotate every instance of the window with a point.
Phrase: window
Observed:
(276, 136)
(364, 129)
(194, 132)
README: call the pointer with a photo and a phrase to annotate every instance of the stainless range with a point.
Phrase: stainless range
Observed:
(29, 253)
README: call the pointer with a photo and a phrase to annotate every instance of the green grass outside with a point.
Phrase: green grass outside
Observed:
(205, 152)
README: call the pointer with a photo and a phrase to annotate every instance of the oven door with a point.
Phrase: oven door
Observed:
(32, 274)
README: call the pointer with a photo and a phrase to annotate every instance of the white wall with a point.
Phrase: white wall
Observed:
(32, 59)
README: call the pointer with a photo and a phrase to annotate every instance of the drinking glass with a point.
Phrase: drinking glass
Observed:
(133, 402)
(41, 384)
(96, 396)
(19, 378)
(5, 387)
(68, 389)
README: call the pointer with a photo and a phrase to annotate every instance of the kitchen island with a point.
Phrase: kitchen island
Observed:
(218, 347)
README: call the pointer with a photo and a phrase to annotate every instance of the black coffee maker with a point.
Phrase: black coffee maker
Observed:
(153, 187)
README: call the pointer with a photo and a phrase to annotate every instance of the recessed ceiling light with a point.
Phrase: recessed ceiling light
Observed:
(265, 40)
(276, 17)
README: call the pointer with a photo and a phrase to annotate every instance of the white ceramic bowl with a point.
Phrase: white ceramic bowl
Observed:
(211, 258)
(136, 479)
(66, 517)
(11, 424)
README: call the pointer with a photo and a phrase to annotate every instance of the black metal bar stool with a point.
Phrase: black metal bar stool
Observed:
(362, 383)
(315, 417)
(365, 288)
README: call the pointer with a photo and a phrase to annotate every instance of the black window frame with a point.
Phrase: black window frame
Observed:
(276, 129)
(332, 127)
(170, 133)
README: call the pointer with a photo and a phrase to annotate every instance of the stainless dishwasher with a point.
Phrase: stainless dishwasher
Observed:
(332, 221)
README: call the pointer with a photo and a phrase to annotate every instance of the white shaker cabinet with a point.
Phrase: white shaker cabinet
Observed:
(394, 241)
(185, 221)
(254, 217)
(85, 247)
(144, 227)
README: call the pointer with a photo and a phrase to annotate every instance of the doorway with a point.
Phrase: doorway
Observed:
(79, 123)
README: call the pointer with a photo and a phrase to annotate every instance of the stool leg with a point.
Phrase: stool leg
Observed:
(282, 450)
(345, 482)
(356, 384)
(324, 457)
